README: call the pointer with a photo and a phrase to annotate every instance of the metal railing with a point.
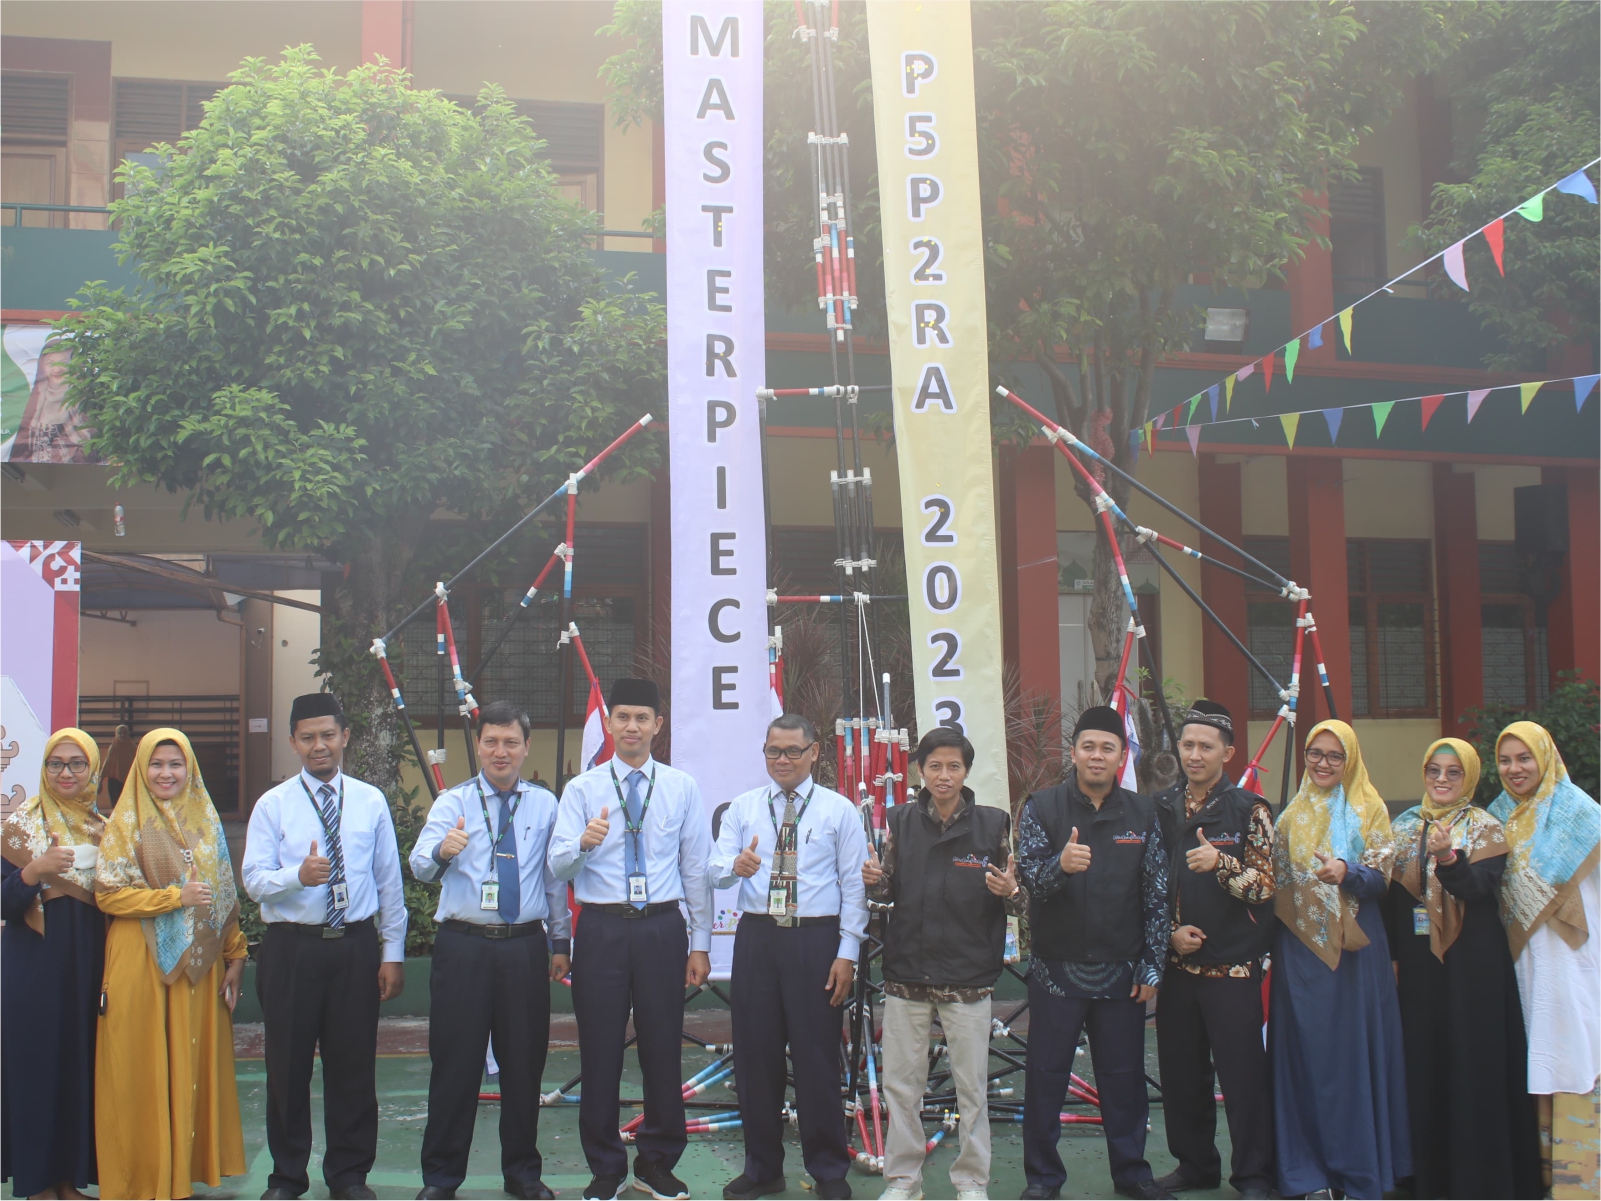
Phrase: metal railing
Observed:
(211, 722)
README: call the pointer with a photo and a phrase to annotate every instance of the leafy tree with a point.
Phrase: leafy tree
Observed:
(364, 305)
(1570, 713)
(1523, 90)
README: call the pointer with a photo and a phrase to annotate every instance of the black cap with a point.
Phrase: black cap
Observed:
(1103, 718)
(315, 704)
(1210, 713)
(630, 690)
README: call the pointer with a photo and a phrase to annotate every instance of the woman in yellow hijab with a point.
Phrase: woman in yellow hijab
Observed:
(1474, 1132)
(167, 1107)
(1334, 1029)
(53, 949)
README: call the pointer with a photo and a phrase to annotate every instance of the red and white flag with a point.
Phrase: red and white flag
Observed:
(597, 738)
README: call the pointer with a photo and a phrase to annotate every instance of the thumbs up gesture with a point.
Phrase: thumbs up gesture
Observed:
(595, 832)
(872, 870)
(314, 867)
(1002, 884)
(1203, 856)
(455, 840)
(1330, 870)
(1075, 855)
(52, 862)
(747, 863)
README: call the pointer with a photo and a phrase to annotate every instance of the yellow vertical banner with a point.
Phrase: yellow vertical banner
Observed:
(924, 115)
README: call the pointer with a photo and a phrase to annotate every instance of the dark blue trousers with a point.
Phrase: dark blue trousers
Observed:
(1117, 1049)
(623, 965)
(779, 998)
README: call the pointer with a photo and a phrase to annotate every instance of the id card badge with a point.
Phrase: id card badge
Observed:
(341, 896)
(637, 893)
(489, 896)
(1420, 919)
(777, 901)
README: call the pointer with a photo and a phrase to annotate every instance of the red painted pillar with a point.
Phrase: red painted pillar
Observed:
(386, 31)
(1574, 618)
(1310, 283)
(1227, 675)
(1317, 561)
(1035, 582)
(1456, 575)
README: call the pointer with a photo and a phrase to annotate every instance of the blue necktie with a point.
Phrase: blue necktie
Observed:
(336, 855)
(506, 871)
(631, 863)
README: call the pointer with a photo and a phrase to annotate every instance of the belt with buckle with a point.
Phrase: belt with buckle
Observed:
(307, 930)
(628, 911)
(496, 930)
(767, 919)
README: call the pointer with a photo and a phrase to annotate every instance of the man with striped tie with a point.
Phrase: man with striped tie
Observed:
(321, 860)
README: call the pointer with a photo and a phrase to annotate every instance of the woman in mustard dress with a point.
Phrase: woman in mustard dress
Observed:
(166, 1104)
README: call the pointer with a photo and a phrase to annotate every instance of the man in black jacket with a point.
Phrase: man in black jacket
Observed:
(1211, 1012)
(1095, 865)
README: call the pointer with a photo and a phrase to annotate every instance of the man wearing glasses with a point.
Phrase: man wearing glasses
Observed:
(797, 849)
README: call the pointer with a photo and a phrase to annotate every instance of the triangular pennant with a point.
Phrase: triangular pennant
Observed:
(1583, 385)
(1494, 234)
(1292, 352)
(1532, 209)
(1314, 337)
(1345, 328)
(1161, 420)
(1475, 399)
(1430, 404)
(1228, 393)
(1134, 440)
(1211, 394)
(1289, 421)
(1455, 267)
(1150, 437)
(1267, 373)
(1334, 417)
(1381, 414)
(1527, 391)
(1244, 372)
(1195, 403)
(1194, 435)
(1578, 184)
(1177, 416)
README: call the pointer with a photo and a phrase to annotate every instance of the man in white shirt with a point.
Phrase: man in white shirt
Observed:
(321, 860)
(633, 836)
(486, 843)
(798, 850)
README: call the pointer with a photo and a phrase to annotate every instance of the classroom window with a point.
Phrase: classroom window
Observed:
(1356, 231)
(35, 123)
(152, 111)
(1270, 625)
(1512, 638)
(574, 137)
(1392, 628)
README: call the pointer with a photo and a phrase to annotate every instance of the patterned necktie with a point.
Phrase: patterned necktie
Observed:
(506, 869)
(786, 863)
(631, 842)
(336, 856)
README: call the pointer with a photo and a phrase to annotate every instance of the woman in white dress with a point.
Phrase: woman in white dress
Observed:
(1551, 904)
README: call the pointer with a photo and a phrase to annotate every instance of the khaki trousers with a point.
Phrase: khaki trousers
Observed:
(906, 1043)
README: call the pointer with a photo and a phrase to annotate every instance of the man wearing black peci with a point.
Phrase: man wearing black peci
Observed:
(1211, 1012)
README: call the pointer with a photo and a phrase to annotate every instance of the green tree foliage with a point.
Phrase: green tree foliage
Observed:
(1524, 91)
(1571, 713)
(364, 304)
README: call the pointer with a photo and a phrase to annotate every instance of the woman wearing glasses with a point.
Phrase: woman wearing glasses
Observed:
(53, 947)
(167, 1107)
(1334, 1028)
(1473, 1122)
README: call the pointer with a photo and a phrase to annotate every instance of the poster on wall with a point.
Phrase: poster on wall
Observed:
(36, 423)
(38, 658)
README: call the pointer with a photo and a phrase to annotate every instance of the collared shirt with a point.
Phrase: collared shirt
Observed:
(830, 850)
(283, 825)
(675, 843)
(462, 877)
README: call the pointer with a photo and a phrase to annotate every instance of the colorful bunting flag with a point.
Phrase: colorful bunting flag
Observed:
(1290, 421)
(1532, 209)
(1244, 372)
(1381, 414)
(1161, 420)
(1134, 440)
(1211, 394)
(1334, 417)
(1314, 337)
(1578, 184)
(1454, 267)
(1195, 403)
(1292, 352)
(1150, 437)
(1527, 392)
(1228, 393)
(1267, 373)
(1430, 404)
(1583, 385)
(1494, 234)
(1475, 399)
(1344, 319)
(1193, 433)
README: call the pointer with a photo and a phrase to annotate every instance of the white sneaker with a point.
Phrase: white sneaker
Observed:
(901, 1194)
(972, 1194)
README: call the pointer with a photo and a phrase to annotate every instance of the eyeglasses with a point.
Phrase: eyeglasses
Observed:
(792, 753)
(76, 766)
(1435, 773)
(1332, 758)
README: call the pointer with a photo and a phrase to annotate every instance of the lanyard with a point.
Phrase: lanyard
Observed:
(799, 813)
(483, 803)
(333, 832)
(629, 825)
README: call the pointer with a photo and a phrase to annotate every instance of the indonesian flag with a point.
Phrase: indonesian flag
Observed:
(1132, 760)
(597, 739)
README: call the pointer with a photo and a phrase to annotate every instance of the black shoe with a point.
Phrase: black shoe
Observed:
(1177, 1182)
(432, 1192)
(656, 1180)
(1145, 1190)
(537, 1191)
(353, 1192)
(1255, 1194)
(1038, 1192)
(604, 1188)
(743, 1188)
(279, 1194)
(834, 1190)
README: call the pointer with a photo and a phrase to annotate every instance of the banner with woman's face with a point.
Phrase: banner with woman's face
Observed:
(37, 425)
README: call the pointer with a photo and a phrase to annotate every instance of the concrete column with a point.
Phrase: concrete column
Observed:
(1317, 561)
(1574, 618)
(1310, 283)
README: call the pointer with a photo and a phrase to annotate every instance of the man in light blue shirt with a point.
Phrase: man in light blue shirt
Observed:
(797, 849)
(486, 843)
(633, 836)
(320, 858)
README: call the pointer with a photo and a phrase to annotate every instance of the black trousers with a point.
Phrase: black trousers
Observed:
(320, 992)
(478, 987)
(1204, 1022)
(779, 997)
(1117, 1049)
(623, 965)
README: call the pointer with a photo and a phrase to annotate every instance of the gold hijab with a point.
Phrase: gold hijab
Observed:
(1349, 822)
(150, 843)
(1474, 833)
(70, 820)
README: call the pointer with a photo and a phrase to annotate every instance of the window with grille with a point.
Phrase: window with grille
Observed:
(1270, 625)
(151, 111)
(1356, 231)
(1512, 639)
(1392, 628)
(35, 123)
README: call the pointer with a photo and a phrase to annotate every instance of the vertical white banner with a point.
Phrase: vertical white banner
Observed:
(716, 361)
